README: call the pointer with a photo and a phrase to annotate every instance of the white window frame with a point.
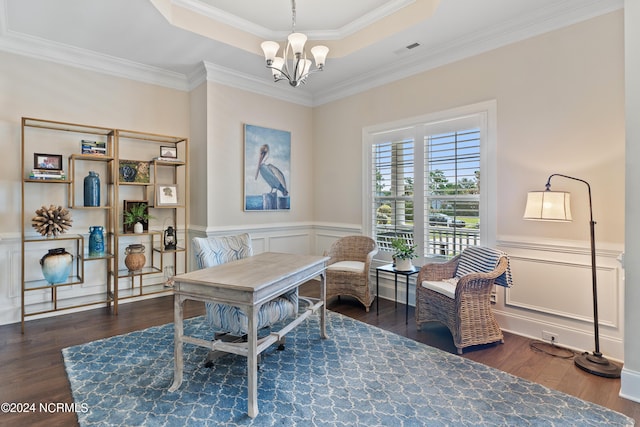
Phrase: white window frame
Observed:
(485, 113)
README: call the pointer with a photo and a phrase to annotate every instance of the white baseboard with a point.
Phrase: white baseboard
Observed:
(630, 384)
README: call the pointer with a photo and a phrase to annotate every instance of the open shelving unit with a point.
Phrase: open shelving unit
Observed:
(100, 279)
(60, 140)
(145, 149)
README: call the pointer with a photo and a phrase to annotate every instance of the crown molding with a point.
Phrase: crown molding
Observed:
(561, 15)
(228, 77)
(35, 47)
(239, 23)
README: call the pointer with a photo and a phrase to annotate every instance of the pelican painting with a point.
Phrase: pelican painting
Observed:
(270, 173)
(267, 168)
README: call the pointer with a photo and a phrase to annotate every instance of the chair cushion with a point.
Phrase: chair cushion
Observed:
(214, 251)
(231, 319)
(445, 287)
(352, 266)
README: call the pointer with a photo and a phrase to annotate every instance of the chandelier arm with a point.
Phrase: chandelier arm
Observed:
(282, 71)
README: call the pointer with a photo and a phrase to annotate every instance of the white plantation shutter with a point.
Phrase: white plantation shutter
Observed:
(454, 156)
(424, 184)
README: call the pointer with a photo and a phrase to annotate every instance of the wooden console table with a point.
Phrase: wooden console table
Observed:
(247, 283)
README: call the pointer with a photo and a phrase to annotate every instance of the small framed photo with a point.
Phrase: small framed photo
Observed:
(166, 195)
(47, 161)
(167, 151)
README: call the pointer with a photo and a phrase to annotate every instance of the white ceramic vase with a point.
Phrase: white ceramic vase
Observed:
(138, 228)
(404, 264)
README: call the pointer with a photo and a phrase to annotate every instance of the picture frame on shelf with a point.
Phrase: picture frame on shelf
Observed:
(166, 195)
(168, 152)
(96, 148)
(51, 162)
(133, 171)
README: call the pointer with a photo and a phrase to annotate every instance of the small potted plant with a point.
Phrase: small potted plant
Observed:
(135, 216)
(403, 253)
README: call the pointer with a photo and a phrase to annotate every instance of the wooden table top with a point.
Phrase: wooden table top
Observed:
(259, 275)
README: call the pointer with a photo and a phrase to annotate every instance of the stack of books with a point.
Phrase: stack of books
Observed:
(47, 174)
(94, 147)
(166, 159)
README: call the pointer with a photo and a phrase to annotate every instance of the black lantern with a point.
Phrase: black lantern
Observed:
(170, 239)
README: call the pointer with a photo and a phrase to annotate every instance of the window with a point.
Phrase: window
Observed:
(452, 191)
(423, 181)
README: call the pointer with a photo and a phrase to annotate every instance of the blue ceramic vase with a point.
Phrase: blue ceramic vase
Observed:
(92, 189)
(96, 241)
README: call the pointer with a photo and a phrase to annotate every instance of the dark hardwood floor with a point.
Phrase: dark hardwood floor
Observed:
(33, 369)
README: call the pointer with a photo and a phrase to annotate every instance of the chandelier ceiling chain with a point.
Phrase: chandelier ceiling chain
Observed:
(293, 65)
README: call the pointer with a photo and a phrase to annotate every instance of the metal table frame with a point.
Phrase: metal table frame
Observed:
(389, 268)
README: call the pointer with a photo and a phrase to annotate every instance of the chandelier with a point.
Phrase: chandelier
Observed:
(293, 65)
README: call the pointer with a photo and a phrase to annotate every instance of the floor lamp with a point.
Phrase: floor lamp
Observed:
(555, 206)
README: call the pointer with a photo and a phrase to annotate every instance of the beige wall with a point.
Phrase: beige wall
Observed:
(229, 110)
(51, 91)
(560, 109)
(560, 100)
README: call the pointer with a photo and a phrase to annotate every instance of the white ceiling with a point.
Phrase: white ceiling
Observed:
(132, 38)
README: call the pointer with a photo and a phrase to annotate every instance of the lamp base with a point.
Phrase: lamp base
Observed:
(597, 365)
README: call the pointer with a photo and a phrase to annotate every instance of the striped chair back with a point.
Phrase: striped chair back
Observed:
(481, 259)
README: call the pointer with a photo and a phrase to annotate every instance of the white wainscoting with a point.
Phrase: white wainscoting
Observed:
(553, 292)
(552, 281)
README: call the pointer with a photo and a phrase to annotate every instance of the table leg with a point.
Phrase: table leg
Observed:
(406, 307)
(323, 311)
(377, 292)
(395, 282)
(252, 361)
(178, 332)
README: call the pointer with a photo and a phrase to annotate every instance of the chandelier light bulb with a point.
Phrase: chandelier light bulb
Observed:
(319, 55)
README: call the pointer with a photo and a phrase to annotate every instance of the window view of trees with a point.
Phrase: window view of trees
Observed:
(451, 194)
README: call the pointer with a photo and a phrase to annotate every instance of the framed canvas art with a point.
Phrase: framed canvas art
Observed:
(267, 169)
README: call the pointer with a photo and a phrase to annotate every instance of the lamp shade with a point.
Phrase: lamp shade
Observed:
(278, 63)
(297, 41)
(548, 206)
(270, 50)
(319, 55)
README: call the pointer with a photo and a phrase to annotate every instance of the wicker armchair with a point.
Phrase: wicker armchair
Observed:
(348, 268)
(464, 307)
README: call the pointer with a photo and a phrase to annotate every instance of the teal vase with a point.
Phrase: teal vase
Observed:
(92, 189)
(96, 241)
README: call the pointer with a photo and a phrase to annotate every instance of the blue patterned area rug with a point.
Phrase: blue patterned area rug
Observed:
(360, 376)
